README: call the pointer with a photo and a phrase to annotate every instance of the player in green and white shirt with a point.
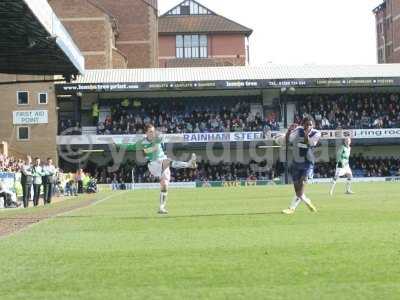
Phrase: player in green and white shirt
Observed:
(343, 166)
(158, 163)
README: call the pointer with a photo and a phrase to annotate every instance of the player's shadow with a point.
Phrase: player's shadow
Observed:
(158, 217)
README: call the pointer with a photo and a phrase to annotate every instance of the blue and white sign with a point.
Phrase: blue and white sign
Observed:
(8, 179)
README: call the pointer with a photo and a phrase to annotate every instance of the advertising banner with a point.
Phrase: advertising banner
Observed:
(224, 84)
(237, 183)
(8, 179)
(216, 137)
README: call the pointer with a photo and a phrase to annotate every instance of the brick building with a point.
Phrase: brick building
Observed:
(112, 34)
(387, 17)
(35, 139)
(191, 35)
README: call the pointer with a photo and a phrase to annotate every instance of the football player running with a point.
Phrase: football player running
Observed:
(343, 166)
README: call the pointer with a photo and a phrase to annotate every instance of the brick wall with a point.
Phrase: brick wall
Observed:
(90, 27)
(226, 45)
(119, 60)
(389, 19)
(137, 31)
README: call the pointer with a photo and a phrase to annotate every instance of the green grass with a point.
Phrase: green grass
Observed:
(215, 244)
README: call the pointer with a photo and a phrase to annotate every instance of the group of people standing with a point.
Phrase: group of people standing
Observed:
(34, 174)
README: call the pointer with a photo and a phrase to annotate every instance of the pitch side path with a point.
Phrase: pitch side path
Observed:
(221, 243)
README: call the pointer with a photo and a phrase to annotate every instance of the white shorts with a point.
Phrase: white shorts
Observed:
(340, 172)
(156, 169)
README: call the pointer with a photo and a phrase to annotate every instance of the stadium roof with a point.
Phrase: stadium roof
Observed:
(268, 76)
(34, 41)
(379, 7)
(239, 73)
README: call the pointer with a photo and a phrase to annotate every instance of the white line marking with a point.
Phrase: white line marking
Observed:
(61, 214)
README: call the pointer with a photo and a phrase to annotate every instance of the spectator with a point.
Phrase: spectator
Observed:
(9, 199)
(37, 173)
(26, 180)
(48, 179)
(70, 188)
(79, 179)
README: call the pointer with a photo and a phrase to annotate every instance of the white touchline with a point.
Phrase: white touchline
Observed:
(62, 214)
(92, 204)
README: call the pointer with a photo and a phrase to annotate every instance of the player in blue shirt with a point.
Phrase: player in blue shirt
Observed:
(303, 139)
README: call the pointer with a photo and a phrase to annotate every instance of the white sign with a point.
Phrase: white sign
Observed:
(27, 117)
(361, 133)
(355, 179)
(176, 185)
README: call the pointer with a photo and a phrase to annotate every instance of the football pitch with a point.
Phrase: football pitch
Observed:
(221, 243)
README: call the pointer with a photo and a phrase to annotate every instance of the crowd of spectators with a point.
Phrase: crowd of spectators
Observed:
(178, 117)
(69, 127)
(206, 171)
(232, 171)
(10, 164)
(351, 111)
(362, 167)
(225, 114)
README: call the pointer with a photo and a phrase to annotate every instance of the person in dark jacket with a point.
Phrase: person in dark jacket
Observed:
(26, 181)
(48, 179)
(79, 179)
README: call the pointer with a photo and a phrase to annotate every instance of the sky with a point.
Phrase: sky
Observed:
(298, 32)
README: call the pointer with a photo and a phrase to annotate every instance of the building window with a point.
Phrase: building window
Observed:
(179, 46)
(191, 46)
(389, 49)
(203, 46)
(42, 98)
(185, 10)
(22, 98)
(23, 133)
(189, 8)
(380, 55)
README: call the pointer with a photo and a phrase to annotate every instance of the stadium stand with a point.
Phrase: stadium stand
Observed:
(362, 167)
(339, 111)
(231, 171)
(180, 116)
(351, 111)
(223, 171)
